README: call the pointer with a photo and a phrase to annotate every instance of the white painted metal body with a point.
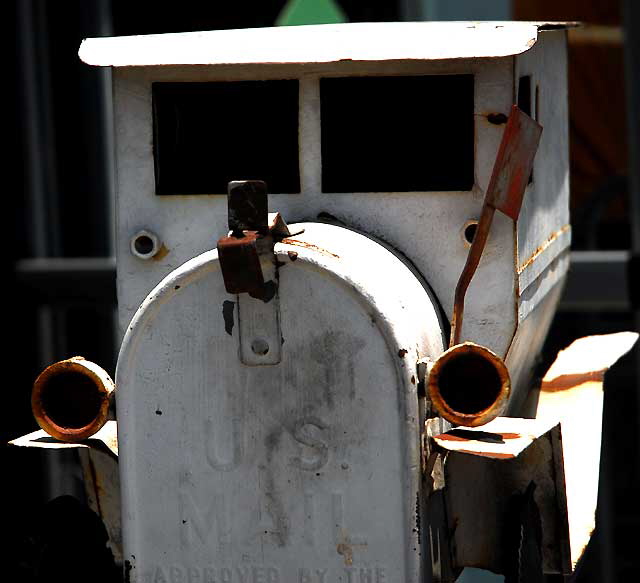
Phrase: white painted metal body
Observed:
(308, 470)
(425, 226)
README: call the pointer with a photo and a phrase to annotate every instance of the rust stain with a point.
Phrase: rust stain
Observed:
(543, 247)
(460, 434)
(347, 552)
(489, 454)
(569, 381)
(402, 352)
(449, 437)
(112, 443)
(292, 255)
(298, 243)
(161, 254)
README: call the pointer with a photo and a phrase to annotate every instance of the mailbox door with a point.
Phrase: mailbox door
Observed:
(303, 470)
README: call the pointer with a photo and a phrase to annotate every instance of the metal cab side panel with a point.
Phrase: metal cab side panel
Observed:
(543, 231)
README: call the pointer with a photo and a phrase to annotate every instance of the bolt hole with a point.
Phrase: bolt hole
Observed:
(143, 244)
(260, 346)
(470, 231)
(497, 118)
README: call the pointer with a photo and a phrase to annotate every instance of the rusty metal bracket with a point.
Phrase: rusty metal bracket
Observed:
(506, 189)
(250, 271)
(251, 237)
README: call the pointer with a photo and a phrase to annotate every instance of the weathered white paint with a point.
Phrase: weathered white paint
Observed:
(252, 467)
(543, 228)
(316, 44)
(425, 226)
(307, 466)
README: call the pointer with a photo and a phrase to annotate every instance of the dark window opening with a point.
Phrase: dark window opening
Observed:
(524, 102)
(397, 134)
(207, 134)
(524, 94)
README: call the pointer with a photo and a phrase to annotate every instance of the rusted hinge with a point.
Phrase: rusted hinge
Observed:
(250, 272)
(250, 240)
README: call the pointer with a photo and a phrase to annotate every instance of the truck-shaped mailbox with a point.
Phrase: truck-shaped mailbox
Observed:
(304, 215)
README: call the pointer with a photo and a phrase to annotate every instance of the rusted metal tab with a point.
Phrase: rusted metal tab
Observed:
(250, 238)
(514, 163)
(277, 227)
(506, 188)
(249, 270)
(240, 264)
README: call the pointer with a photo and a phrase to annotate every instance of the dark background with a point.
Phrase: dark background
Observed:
(58, 199)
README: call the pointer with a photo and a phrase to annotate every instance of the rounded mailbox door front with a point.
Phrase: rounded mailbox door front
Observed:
(277, 441)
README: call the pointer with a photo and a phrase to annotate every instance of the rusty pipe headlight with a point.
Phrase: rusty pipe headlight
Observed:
(71, 399)
(469, 385)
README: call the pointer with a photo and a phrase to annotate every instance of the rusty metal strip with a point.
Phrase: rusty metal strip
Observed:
(240, 263)
(542, 248)
(506, 189)
(250, 238)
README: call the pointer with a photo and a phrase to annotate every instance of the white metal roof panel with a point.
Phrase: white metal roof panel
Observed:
(318, 44)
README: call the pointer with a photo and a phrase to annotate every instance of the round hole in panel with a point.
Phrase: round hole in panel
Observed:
(145, 244)
(469, 231)
(260, 346)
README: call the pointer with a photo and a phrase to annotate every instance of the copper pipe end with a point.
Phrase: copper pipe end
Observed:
(70, 399)
(469, 385)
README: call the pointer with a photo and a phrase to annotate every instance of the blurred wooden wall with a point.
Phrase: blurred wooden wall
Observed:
(598, 134)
